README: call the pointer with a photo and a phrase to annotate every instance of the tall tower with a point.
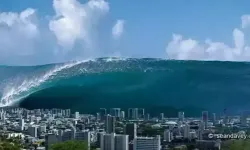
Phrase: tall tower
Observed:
(181, 116)
(115, 112)
(103, 113)
(214, 118)
(110, 124)
(186, 131)
(131, 131)
(141, 113)
(161, 116)
(205, 118)
(114, 142)
(21, 124)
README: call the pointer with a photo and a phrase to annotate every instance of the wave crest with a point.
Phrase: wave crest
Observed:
(13, 93)
(17, 88)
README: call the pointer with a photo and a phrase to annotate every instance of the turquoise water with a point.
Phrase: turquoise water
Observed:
(157, 85)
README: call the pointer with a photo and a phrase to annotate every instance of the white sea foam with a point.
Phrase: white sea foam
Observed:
(111, 59)
(13, 92)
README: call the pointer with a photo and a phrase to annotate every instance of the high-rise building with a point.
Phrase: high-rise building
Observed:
(130, 112)
(98, 116)
(122, 115)
(50, 139)
(214, 118)
(77, 115)
(21, 124)
(147, 143)
(131, 131)
(162, 116)
(115, 112)
(141, 113)
(121, 142)
(205, 118)
(110, 124)
(103, 113)
(133, 113)
(68, 135)
(200, 134)
(201, 125)
(42, 129)
(68, 112)
(186, 131)
(114, 142)
(32, 130)
(225, 117)
(98, 138)
(168, 135)
(148, 116)
(83, 136)
(181, 116)
(243, 118)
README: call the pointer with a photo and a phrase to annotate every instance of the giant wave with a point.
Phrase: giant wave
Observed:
(156, 84)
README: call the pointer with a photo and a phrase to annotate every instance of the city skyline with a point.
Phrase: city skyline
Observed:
(121, 133)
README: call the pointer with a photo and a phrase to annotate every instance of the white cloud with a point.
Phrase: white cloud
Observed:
(190, 49)
(245, 21)
(18, 30)
(74, 21)
(118, 29)
(26, 38)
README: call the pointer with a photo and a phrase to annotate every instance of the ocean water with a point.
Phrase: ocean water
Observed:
(157, 85)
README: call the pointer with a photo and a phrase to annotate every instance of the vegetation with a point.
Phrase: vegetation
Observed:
(70, 145)
(236, 145)
(147, 130)
(10, 143)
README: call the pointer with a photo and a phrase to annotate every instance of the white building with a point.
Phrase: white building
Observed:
(147, 143)
(186, 131)
(77, 115)
(21, 124)
(168, 135)
(162, 116)
(181, 116)
(42, 128)
(114, 142)
(122, 114)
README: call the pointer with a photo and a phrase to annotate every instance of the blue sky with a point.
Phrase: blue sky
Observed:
(147, 31)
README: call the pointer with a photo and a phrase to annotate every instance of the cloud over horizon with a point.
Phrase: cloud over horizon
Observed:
(65, 36)
(189, 49)
(72, 32)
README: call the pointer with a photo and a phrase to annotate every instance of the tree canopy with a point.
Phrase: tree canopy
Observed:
(70, 145)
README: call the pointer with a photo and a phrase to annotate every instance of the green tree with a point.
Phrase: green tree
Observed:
(9, 146)
(236, 145)
(70, 145)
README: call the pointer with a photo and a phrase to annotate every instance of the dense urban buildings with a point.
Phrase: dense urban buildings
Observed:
(116, 130)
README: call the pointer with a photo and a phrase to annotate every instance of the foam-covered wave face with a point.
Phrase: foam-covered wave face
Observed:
(89, 85)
